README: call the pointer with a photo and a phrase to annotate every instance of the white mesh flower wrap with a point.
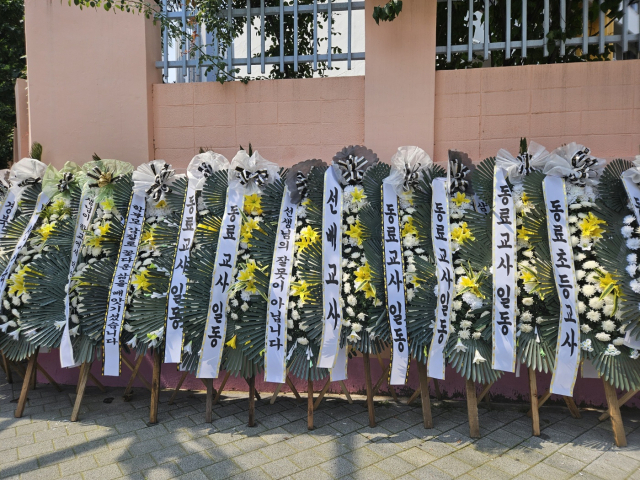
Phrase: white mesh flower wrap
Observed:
(407, 165)
(55, 181)
(154, 179)
(204, 165)
(634, 172)
(519, 167)
(27, 171)
(251, 172)
(574, 163)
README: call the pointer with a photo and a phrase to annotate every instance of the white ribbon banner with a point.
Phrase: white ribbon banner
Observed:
(504, 275)
(43, 199)
(216, 328)
(331, 271)
(394, 274)
(568, 345)
(441, 237)
(276, 336)
(85, 212)
(633, 192)
(7, 212)
(120, 285)
(173, 336)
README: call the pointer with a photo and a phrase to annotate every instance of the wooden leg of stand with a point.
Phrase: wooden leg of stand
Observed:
(26, 383)
(533, 393)
(34, 376)
(484, 392)
(426, 401)
(219, 392)
(343, 387)
(621, 401)
(391, 389)
(252, 401)
(82, 384)
(7, 369)
(209, 403)
(436, 385)
(293, 389)
(322, 394)
(275, 393)
(385, 373)
(49, 377)
(543, 399)
(573, 408)
(472, 406)
(614, 412)
(177, 389)
(367, 376)
(134, 372)
(97, 383)
(309, 404)
(155, 390)
(413, 397)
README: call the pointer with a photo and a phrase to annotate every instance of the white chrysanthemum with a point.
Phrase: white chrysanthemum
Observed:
(629, 219)
(528, 301)
(632, 258)
(526, 328)
(581, 307)
(633, 243)
(631, 269)
(608, 310)
(351, 300)
(244, 307)
(295, 315)
(303, 341)
(350, 312)
(410, 294)
(608, 325)
(593, 315)
(580, 257)
(618, 341)
(459, 271)
(603, 337)
(635, 285)
(356, 327)
(585, 328)
(246, 296)
(346, 287)
(464, 334)
(588, 290)
(234, 316)
(539, 320)
(626, 231)
(457, 305)
(590, 265)
(465, 324)
(234, 303)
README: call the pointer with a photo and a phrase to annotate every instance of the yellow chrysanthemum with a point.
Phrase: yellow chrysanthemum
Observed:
(355, 231)
(590, 226)
(409, 228)
(141, 281)
(232, 343)
(300, 290)
(252, 204)
(45, 230)
(462, 233)
(94, 239)
(148, 237)
(16, 281)
(107, 204)
(460, 198)
(307, 236)
(247, 273)
(358, 195)
(471, 284)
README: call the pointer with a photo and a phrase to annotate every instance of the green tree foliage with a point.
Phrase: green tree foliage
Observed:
(12, 66)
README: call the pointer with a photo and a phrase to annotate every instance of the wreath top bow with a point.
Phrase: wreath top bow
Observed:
(516, 168)
(634, 172)
(297, 178)
(458, 171)
(58, 182)
(251, 172)
(204, 165)
(351, 162)
(407, 165)
(27, 171)
(154, 179)
(574, 163)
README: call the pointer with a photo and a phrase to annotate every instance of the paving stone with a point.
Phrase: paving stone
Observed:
(42, 473)
(221, 470)
(136, 464)
(194, 461)
(395, 466)
(487, 472)
(247, 461)
(565, 463)
(431, 472)
(280, 468)
(545, 471)
(162, 472)
(338, 467)
(103, 473)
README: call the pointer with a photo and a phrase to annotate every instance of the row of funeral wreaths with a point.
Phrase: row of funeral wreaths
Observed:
(245, 266)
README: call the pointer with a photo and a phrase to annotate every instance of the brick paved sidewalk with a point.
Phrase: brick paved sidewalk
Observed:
(113, 440)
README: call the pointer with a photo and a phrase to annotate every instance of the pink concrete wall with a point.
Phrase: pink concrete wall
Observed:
(480, 111)
(286, 120)
(90, 74)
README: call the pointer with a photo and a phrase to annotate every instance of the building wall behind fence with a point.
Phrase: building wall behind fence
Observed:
(477, 111)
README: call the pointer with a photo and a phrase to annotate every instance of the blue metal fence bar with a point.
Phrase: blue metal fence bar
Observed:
(288, 59)
(295, 35)
(315, 35)
(563, 24)
(329, 30)
(262, 17)
(248, 37)
(486, 30)
(349, 36)
(470, 51)
(507, 51)
(585, 27)
(524, 28)
(281, 35)
(336, 6)
(545, 50)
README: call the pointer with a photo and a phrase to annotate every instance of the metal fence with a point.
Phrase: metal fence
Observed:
(483, 44)
(188, 60)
